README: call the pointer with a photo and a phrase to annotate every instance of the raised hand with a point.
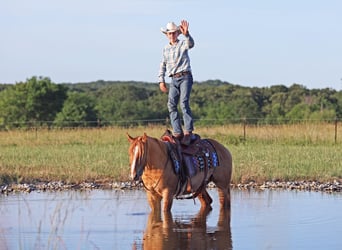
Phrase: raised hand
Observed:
(184, 27)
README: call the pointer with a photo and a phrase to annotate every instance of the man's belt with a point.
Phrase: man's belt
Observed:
(183, 73)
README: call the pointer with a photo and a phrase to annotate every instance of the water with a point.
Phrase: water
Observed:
(106, 219)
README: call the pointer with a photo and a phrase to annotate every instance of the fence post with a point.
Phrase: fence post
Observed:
(336, 130)
(244, 129)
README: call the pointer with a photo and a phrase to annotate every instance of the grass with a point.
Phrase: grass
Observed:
(260, 153)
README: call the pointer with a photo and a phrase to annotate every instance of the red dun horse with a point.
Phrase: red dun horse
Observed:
(150, 162)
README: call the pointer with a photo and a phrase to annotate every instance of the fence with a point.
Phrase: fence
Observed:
(245, 124)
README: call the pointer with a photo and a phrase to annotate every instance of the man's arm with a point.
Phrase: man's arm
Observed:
(190, 41)
(184, 28)
(162, 70)
(161, 76)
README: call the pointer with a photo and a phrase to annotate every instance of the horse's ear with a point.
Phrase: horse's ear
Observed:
(144, 137)
(130, 138)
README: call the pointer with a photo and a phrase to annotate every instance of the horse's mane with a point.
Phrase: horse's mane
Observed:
(155, 141)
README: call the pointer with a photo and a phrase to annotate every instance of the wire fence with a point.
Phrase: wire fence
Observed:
(245, 123)
(166, 121)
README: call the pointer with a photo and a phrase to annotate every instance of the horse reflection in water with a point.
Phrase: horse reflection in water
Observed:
(168, 233)
(150, 162)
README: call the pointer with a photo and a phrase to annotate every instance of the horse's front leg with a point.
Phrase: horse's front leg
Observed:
(167, 200)
(154, 201)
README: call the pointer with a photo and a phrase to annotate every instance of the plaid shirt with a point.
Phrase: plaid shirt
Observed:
(176, 58)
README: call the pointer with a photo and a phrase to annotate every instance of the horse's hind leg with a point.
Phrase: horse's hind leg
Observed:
(205, 199)
(224, 197)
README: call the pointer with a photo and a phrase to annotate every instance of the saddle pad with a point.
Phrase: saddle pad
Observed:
(203, 156)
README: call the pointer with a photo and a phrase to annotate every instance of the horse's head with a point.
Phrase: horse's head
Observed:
(137, 155)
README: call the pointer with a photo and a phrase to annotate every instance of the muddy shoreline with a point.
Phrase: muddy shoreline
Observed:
(330, 187)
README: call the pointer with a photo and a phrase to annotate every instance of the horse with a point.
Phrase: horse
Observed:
(150, 162)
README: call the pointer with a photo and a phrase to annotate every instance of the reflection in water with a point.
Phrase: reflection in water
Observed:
(109, 219)
(169, 233)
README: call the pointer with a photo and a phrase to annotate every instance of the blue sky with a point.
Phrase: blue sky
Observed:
(250, 43)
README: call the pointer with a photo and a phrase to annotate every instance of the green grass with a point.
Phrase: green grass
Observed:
(260, 162)
(297, 152)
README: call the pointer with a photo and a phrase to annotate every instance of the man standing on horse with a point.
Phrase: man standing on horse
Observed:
(176, 64)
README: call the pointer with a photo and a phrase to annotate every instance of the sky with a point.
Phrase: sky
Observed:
(249, 43)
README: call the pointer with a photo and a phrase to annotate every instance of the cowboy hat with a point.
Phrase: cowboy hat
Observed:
(170, 27)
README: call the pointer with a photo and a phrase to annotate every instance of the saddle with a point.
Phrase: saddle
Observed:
(189, 161)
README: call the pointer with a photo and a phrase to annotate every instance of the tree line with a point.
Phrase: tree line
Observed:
(40, 102)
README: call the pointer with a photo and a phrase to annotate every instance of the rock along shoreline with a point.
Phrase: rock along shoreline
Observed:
(329, 187)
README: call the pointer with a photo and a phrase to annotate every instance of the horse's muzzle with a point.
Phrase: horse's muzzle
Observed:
(135, 178)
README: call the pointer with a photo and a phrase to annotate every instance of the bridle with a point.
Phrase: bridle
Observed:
(140, 160)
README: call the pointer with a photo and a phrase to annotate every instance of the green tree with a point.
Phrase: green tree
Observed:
(123, 103)
(36, 101)
(299, 112)
(295, 96)
(156, 106)
(338, 107)
(245, 105)
(323, 115)
(78, 110)
(275, 115)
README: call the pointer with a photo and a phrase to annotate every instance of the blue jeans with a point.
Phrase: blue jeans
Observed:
(179, 91)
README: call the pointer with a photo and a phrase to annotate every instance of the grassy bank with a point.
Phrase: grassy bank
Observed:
(260, 153)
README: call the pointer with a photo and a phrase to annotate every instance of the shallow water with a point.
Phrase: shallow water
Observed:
(107, 219)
